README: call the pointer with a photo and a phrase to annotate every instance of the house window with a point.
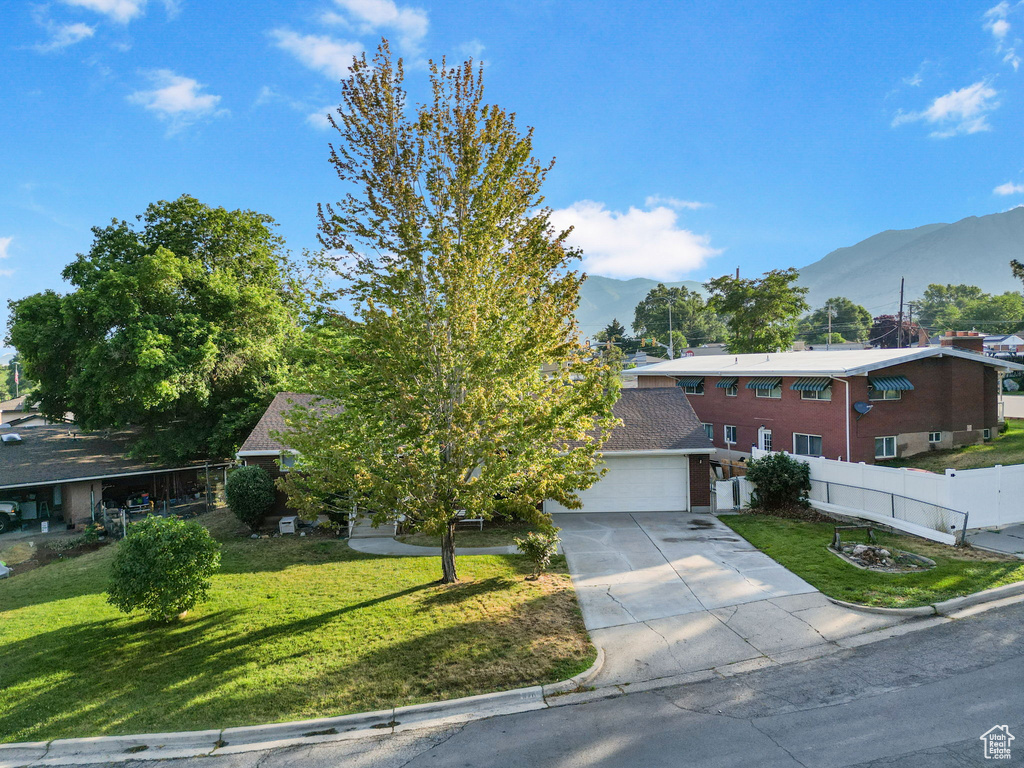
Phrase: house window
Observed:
(934, 437)
(730, 434)
(732, 391)
(709, 430)
(806, 445)
(821, 394)
(694, 389)
(885, 447)
(774, 393)
(287, 461)
(884, 394)
(986, 434)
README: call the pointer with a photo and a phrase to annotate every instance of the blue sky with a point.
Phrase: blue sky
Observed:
(690, 137)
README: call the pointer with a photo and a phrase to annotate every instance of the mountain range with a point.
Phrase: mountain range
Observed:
(974, 251)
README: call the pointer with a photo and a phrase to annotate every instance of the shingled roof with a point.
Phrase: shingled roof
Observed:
(52, 454)
(260, 440)
(656, 419)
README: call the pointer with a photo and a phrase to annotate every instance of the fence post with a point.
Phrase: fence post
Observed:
(892, 499)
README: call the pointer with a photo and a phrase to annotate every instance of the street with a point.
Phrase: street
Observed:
(922, 699)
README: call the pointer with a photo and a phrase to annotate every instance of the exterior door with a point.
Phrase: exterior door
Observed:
(764, 439)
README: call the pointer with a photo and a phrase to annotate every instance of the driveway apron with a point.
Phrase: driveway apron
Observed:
(670, 593)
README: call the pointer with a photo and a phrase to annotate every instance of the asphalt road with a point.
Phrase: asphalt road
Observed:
(917, 701)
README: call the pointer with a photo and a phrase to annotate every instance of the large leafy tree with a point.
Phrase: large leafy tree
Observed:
(462, 291)
(966, 307)
(692, 319)
(885, 332)
(940, 300)
(849, 322)
(762, 312)
(179, 326)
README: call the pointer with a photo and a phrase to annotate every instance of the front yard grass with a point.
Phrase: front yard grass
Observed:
(496, 534)
(296, 628)
(801, 547)
(1007, 448)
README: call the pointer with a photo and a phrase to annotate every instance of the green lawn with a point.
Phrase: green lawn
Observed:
(1007, 448)
(296, 628)
(801, 547)
(492, 535)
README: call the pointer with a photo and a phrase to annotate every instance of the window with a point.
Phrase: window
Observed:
(885, 447)
(709, 430)
(732, 391)
(806, 445)
(986, 434)
(884, 394)
(934, 437)
(694, 389)
(821, 394)
(730, 434)
(287, 461)
(774, 393)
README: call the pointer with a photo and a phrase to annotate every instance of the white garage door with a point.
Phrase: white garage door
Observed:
(636, 484)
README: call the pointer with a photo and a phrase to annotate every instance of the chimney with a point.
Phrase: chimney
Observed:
(968, 341)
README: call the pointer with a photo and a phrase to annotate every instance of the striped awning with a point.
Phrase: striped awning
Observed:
(764, 382)
(727, 382)
(813, 384)
(689, 381)
(890, 382)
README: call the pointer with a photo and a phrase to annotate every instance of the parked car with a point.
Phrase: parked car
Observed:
(10, 516)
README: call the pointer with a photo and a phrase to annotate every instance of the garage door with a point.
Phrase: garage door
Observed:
(636, 484)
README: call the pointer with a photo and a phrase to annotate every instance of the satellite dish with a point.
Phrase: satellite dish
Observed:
(861, 408)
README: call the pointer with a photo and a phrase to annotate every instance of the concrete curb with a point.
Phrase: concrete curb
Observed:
(943, 608)
(250, 738)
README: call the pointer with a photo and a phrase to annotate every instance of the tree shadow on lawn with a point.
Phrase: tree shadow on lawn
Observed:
(121, 676)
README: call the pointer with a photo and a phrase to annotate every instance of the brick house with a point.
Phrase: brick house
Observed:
(858, 405)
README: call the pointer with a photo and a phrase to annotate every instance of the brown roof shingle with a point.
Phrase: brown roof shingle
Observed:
(272, 420)
(656, 419)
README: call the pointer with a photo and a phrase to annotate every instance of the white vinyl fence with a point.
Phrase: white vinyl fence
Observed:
(990, 498)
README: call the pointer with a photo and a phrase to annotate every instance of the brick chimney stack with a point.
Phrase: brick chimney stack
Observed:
(968, 341)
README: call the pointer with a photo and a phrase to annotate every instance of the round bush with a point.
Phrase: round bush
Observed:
(250, 492)
(782, 482)
(163, 567)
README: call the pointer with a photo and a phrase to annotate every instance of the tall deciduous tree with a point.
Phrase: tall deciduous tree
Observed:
(179, 326)
(966, 307)
(762, 313)
(692, 318)
(462, 291)
(849, 321)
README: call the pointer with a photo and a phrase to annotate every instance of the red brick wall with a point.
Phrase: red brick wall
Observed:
(700, 481)
(950, 395)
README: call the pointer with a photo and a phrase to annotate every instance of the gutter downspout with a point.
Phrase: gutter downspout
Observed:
(847, 383)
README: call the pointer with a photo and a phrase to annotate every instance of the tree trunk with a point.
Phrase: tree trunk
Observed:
(448, 555)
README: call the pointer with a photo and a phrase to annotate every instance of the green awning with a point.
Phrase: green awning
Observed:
(765, 382)
(811, 384)
(727, 383)
(690, 381)
(890, 382)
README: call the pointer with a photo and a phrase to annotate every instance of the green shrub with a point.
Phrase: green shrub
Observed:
(163, 567)
(250, 492)
(781, 483)
(540, 547)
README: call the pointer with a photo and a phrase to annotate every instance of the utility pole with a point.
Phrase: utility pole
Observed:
(671, 341)
(899, 320)
(831, 313)
(16, 379)
(910, 321)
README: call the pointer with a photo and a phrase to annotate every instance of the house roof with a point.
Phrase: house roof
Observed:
(854, 362)
(15, 404)
(55, 453)
(259, 440)
(656, 419)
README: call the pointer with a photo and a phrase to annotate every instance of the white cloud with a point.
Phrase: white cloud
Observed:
(177, 99)
(369, 16)
(472, 49)
(122, 11)
(1009, 188)
(958, 112)
(674, 202)
(997, 22)
(64, 35)
(5, 243)
(319, 52)
(319, 119)
(632, 244)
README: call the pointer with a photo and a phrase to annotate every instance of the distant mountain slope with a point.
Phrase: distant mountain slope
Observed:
(603, 299)
(976, 251)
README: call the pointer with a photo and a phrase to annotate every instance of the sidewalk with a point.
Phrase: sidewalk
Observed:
(666, 594)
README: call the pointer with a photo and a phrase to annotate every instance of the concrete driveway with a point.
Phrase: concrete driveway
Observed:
(669, 593)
